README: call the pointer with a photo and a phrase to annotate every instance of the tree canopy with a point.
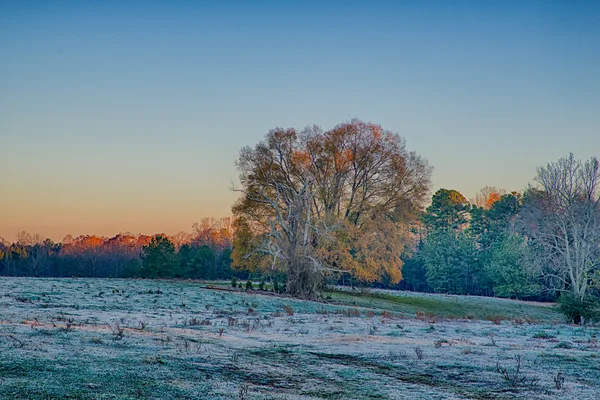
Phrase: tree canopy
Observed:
(448, 210)
(339, 200)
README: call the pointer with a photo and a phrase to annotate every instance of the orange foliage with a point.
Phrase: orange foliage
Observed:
(214, 233)
(369, 252)
(487, 196)
(492, 198)
(302, 158)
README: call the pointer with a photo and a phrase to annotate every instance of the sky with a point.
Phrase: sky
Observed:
(128, 116)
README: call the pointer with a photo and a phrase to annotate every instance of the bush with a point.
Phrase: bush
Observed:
(289, 310)
(233, 282)
(578, 311)
(543, 335)
(495, 319)
(248, 285)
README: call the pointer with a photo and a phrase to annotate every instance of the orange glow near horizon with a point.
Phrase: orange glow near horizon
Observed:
(55, 219)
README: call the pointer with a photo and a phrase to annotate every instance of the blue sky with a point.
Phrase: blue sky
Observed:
(128, 116)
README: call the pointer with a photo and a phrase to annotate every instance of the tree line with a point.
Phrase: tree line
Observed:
(203, 254)
(543, 243)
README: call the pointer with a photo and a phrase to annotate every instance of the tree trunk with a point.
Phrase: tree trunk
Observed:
(302, 281)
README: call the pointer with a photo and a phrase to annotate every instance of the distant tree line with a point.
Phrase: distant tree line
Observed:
(204, 254)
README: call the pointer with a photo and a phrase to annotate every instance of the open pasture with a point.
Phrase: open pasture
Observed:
(144, 339)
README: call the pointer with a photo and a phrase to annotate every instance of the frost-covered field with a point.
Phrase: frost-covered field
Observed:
(128, 339)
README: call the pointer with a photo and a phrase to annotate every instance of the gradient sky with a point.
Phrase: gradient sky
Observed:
(128, 116)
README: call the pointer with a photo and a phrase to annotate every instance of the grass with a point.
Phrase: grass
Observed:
(448, 306)
(132, 339)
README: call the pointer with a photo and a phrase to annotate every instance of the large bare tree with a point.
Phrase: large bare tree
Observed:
(562, 219)
(277, 200)
(316, 201)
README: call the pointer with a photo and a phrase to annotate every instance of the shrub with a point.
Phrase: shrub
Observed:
(261, 285)
(514, 378)
(289, 310)
(563, 345)
(68, 326)
(426, 316)
(353, 312)
(243, 394)
(118, 331)
(233, 282)
(542, 335)
(322, 311)
(372, 330)
(559, 380)
(578, 311)
(248, 285)
(495, 319)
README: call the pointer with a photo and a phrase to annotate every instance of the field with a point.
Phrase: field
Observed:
(142, 339)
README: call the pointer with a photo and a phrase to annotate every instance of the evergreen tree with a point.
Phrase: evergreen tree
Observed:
(448, 210)
(450, 260)
(159, 259)
(510, 271)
